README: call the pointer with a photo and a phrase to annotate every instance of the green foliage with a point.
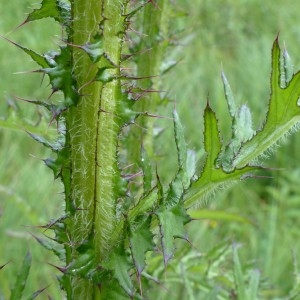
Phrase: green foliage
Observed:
(109, 227)
(18, 288)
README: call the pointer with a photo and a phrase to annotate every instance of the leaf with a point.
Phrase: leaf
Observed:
(186, 158)
(186, 166)
(211, 177)
(42, 140)
(55, 248)
(241, 126)
(238, 275)
(253, 288)
(283, 116)
(58, 67)
(19, 286)
(57, 164)
(145, 204)
(147, 170)
(82, 265)
(58, 10)
(179, 141)
(175, 190)
(39, 59)
(105, 75)
(141, 241)
(60, 74)
(218, 215)
(229, 96)
(171, 224)
(37, 293)
(288, 69)
(119, 264)
(95, 49)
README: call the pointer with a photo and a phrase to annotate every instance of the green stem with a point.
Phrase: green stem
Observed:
(92, 132)
(155, 41)
(81, 123)
(107, 173)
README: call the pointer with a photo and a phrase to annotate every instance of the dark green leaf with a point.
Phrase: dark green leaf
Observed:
(105, 75)
(140, 242)
(61, 78)
(171, 223)
(120, 266)
(57, 164)
(95, 49)
(58, 10)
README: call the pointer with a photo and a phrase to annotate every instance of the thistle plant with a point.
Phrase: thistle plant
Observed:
(108, 227)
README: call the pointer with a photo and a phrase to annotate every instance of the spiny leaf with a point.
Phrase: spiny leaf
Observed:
(119, 264)
(105, 75)
(39, 59)
(171, 223)
(211, 177)
(42, 140)
(191, 164)
(179, 141)
(58, 10)
(94, 49)
(140, 242)
(18, 288)
(243, 130)
(47, 244)
(55, 110)
(288, 68)
(175, 191)
(145, 204)
(60, 74)
(82, 264)
(229, 96)
(241, 124)
(58, 67)
(186, 166)
(57, 164)
(37, 293)
(137, 9)
(282, 118)
(113, 291)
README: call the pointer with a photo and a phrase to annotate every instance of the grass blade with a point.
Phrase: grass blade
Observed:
(18, 288)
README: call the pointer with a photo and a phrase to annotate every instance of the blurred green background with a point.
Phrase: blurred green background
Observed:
(235, 35)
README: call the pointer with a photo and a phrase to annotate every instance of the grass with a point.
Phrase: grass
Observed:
(236, 35)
